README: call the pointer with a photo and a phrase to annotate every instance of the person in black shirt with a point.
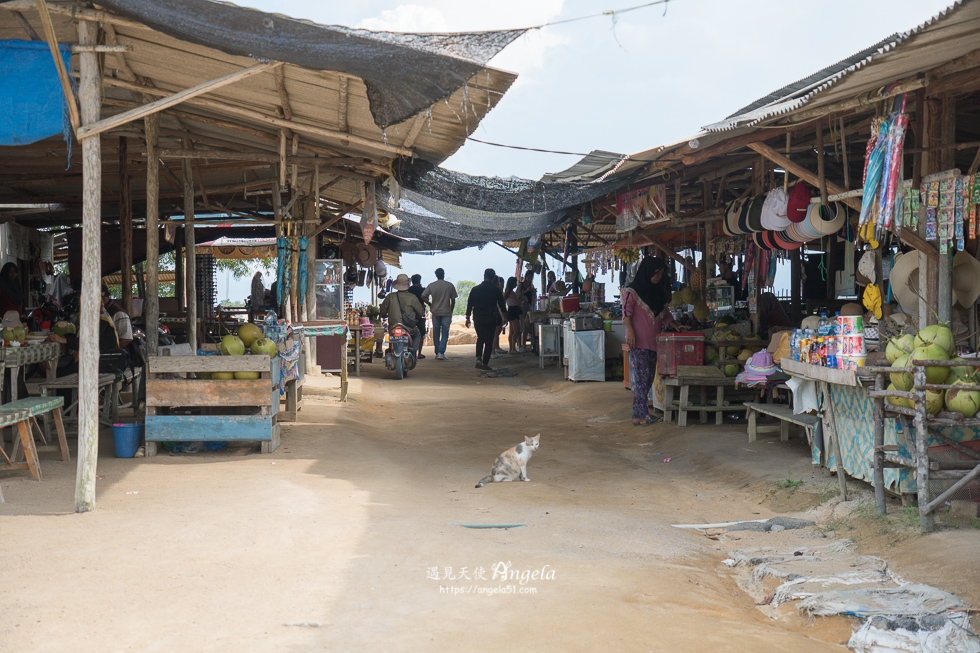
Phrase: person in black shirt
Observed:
(486, 302)
(417, 289)
(731, 278)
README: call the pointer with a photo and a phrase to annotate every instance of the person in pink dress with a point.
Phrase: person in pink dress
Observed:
(645, 315)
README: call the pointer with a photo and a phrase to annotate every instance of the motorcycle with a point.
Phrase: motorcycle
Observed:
(400, 355)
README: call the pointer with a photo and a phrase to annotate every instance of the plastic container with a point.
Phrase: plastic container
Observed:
(850, 325)
(607, 325)
(854, 362)
(852, 345)
(570, 304)
(126, 439)
(675, 349)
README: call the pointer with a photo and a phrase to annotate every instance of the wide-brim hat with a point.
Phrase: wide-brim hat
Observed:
(11, 320)
(760, 364)
(904, 279)
(785, 241)
(366, 255)
(754, 218)
(865, 274)
(851, 309)
(966, 279)
(401, 282)
(731, 217)
(780, 345)
(774, 210)
(826, 219)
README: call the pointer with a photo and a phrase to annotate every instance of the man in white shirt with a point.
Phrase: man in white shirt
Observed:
(441, 296)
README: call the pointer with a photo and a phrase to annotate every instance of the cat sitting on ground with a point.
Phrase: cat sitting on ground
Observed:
(511, 465)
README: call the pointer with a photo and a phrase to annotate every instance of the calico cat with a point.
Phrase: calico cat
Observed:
(511, 465)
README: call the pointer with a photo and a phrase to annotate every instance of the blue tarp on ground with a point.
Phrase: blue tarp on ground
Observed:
(32, 104)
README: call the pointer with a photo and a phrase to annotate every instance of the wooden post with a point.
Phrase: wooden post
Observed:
(946, 160)
(921, 449)
(151, 308)
(90, 95)
(796, 285)
(830, 427)
(277, 214)
(179, 283)
(831, 239)
(879, 452)
(190, 252)
(125, 226)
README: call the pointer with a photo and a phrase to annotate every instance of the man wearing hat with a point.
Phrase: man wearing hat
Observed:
(402, 307)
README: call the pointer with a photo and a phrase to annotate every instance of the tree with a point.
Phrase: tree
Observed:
(463, 289)
(241, 268)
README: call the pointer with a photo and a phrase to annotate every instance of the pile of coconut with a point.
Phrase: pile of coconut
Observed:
(933, 343)
(689, 297)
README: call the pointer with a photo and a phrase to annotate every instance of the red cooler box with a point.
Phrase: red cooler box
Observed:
(570, 304)
(675, 349)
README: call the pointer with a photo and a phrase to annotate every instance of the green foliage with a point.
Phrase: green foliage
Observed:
(789, 483)
(241, 268)
(463, 289)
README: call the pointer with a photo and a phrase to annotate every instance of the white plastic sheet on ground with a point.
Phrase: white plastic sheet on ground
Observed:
(909, 600)
(951, 638)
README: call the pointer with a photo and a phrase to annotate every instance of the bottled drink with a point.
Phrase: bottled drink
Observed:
(832, 351)
(823, 328)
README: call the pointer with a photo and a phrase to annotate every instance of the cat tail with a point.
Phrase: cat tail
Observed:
(486, 479)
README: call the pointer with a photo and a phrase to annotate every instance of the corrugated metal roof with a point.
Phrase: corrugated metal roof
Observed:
(592, 167)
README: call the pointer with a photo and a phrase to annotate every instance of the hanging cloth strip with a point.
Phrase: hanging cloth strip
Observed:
(303, 246)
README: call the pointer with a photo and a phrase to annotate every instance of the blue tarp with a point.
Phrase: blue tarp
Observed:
(32, 104)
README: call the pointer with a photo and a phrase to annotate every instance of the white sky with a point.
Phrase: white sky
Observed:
(622, 84)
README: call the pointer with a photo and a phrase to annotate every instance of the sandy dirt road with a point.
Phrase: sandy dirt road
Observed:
(345, 539)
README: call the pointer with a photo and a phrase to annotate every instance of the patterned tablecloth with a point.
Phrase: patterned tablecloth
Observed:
(325, 330)
(854, 415)
(31, 353)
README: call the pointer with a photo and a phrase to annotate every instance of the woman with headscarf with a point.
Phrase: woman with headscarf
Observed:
(11, 290)
(644, 316)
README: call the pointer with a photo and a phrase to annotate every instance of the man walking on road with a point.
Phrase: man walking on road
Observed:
(485, 303)
(440, 295)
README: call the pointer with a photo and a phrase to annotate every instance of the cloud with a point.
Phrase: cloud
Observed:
(407, 18)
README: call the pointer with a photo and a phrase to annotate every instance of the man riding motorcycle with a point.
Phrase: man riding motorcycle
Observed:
(404, 308)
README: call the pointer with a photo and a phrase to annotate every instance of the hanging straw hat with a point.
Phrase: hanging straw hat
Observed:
(905, 273)
(11, 320)
(966, 279)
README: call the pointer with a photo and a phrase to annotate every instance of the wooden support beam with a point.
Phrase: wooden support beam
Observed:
(125, 227)
(59, 64)
(89, 93)
(172, 100)
(732, 144)
(151, 307)
(280, 77)
(669, 251)
(801, 172)
(190, 251)
(413, 132)
(27, 26)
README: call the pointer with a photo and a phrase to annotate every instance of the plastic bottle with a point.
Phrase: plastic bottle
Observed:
(823, 326)
(832, 351)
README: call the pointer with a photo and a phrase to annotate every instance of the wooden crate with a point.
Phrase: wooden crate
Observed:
(190, 409)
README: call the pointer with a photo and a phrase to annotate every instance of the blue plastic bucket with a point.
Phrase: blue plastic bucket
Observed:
(126, 439)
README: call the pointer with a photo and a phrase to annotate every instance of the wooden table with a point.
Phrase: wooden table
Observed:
(40, 352)
(703, 377)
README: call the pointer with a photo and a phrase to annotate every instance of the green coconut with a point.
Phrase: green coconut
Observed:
(964, 402)
(899, 345)
(731, 370)
(710, 351)
(898, 401)
(701, 311)
(901, 380)
(62, 327)
(961, 373)
(711, 361)
(931, 352)
(936, 334)
(745, 355)
(934, 401)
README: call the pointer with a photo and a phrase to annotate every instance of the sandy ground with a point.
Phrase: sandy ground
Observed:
(347, 537)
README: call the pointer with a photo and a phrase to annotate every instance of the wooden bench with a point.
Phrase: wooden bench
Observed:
(702, 377)
(785, 416)
(108, 396)
(22, 414)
